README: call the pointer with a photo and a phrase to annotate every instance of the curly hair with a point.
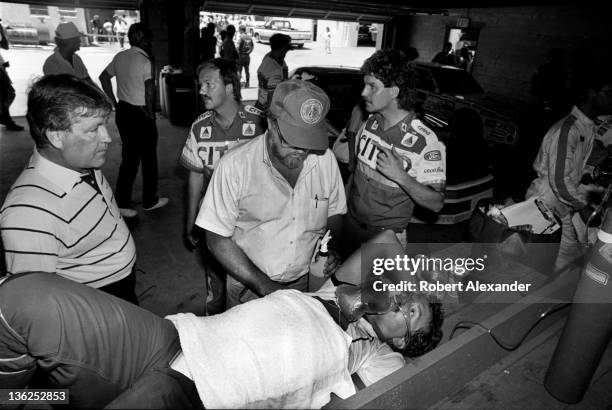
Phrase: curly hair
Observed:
(393, 68)
(425, 340)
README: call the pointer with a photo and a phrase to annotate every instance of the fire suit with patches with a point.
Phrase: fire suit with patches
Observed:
(375, 200)
(560, 165)
(207, 141)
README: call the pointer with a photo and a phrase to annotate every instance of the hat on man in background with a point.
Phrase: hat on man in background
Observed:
(66, 31)
(300, 107)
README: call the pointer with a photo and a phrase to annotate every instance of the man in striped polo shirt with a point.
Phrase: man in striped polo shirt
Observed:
(60, 215)
(562, 162)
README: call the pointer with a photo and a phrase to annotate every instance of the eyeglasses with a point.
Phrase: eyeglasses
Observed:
(283, 141)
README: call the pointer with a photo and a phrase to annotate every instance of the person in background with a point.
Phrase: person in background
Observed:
(562, 159)
(64, 59)
(228, 48)
(135, 119)
(446, 56)
(327, 38)
(7, 92)
(272, 69)
(208, 43)
(271, 199)
(96, 28)
(60, 215)
(245, 48)
(121, 27)
(108, 30)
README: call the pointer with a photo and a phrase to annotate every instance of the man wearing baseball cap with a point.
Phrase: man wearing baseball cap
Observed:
(64, 59)
(271, 198)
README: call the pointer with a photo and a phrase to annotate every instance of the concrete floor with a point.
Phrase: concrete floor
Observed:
(170, 279)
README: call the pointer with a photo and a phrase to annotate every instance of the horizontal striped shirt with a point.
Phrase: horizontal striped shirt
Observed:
(53, 221)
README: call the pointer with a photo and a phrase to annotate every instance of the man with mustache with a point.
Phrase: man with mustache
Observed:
(225, 124)
(271, 199)
(60, 215)
(400, 162)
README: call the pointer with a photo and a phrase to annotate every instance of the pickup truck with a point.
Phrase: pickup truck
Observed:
(298, 37)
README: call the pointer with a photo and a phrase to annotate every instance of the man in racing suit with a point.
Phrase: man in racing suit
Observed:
(400, 162)
(224, 125)
(564, 157)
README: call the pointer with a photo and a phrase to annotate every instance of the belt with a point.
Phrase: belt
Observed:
(372, 228)
(367, 227)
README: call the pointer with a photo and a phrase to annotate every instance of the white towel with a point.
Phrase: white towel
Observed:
(280, 351)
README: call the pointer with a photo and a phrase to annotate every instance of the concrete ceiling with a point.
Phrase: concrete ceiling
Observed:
(372, 11)
(94, 4)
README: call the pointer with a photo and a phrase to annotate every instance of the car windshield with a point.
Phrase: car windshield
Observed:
(457, 82)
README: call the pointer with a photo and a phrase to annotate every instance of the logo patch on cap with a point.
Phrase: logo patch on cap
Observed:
(311, 111)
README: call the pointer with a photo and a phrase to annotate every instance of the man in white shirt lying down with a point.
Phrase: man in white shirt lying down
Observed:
(284, 350)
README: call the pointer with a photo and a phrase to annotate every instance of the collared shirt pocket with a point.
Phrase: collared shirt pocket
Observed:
(317, 214)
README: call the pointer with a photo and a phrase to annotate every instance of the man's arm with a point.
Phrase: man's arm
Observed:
(29, 241)
(195, 187)
(107, 86)
(150, 98)
(390, 164)
(562, 164)
(238, 264)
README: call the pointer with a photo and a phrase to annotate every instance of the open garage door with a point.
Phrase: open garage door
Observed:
(325, 10)
(94, 4)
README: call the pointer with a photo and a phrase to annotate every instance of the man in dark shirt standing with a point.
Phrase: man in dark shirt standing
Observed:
(228, 48)
(245, 48)
(208, 43)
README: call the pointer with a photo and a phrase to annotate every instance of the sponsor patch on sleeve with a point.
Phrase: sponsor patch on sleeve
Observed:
(409, 140)
(421, 128)
(206, 133)
(253, 110)
(434, 155)
(248, 129)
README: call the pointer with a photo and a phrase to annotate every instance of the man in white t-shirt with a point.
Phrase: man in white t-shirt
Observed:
(135, 119)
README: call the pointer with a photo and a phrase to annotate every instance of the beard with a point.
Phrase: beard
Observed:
(292, 160)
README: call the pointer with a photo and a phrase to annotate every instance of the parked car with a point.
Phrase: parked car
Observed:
(21, 33)
(298, 37)
(469, 177)
(453, 102)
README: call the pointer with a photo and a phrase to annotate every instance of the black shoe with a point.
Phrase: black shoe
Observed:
(14, 127)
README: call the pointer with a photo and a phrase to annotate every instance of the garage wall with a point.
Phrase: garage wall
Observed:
(514, 41)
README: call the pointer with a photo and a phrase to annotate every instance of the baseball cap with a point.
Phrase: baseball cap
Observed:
(299, 108)
(67, 30)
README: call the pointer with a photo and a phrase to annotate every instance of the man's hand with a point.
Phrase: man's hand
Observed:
(391, 164)
(190, 241)
(332, 263)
